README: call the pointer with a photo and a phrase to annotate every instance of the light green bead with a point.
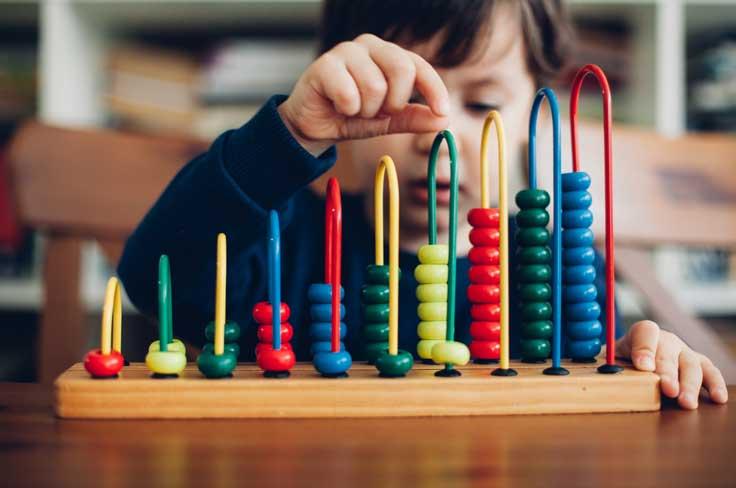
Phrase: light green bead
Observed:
(168, 362)
(432, 293)
(431, 273)
(451, 352)
(434, 254)
(174, 346)
(424, 348)
(433, 311)
(436, 330)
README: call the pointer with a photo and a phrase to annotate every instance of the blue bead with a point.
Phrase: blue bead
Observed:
(579, 312)
(581, 331)
(322, 293)
(577, 219)
(575, 256)
(577, 237)
(322, 312)
(583, 349)
(332, 363)
(578, 180)
(579, 275)
(322, 331)
(579, 293)
(574, 200)
(323, 346)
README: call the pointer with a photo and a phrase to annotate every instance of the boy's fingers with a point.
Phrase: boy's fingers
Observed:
(416, 118)
(713, 381)
(666, 359)
(642, 341)
(368, 78)
(691, 379)
(431, 86)
(338, 86)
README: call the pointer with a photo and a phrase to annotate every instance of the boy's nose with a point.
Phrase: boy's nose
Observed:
(423, 142)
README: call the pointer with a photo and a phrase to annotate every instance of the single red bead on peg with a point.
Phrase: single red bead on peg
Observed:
(484, 217)
(485, 237)
(103, 365)
(276, 364)
(484, 255)
(485, 349)
(265, 346)
(485, 312)
(484, 293)
(485, 275)
(485, 331)
(263, 313)
(265, 332)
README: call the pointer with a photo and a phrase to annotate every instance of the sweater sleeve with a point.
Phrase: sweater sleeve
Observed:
(229, 189)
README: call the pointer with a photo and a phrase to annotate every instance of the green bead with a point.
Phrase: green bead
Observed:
(536, 311)
(534, 255)
(394, 366)
(371, 294)
(535, 292)
(533, 236)
(432, 311)
(534, 273)
(535, 349)
(378, 275)
(533, 217)
(376, 314)
(375, 332)
(374, 349)
(532, 199)
(432, 293)
(232, 331)
(230, 347)
(431, 273)
(214, 366)
(539, 329)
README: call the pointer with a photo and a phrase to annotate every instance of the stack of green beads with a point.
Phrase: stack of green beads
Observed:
(232, 334)
(374, 297)
(534, 274)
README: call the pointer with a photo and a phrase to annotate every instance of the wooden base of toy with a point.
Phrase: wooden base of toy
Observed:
(135, 394)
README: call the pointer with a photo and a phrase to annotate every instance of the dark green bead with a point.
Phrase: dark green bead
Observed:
(534, 273)
(535, 349)
(378, 275)
(375, 314)
(374, 294)
(374, 349)
(535, 292)
(231, 347)
(539, 329)
(532, 199)
(533, 217)
(232, 331)
(534, 255)
(533, 236)
(375, 332)
(214, 366)
(394, 366)
(536, 311)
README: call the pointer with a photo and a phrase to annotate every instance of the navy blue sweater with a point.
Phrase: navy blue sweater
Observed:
(230, 189)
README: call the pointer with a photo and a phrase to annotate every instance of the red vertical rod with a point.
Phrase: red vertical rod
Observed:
(333, 254)
(607, 142)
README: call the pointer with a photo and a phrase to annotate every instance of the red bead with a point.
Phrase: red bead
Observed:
(485, 331)
(484, 255)
(264, 346)
(263, 313)
(272, 360)
(485, 237)
(485, 275)
(103, 365)
(484, 293)
(485, 312)
(484, 217)
(265, 332)
(485, 349)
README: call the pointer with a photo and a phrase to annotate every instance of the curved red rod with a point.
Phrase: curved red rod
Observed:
(607, 142)
(333, 254)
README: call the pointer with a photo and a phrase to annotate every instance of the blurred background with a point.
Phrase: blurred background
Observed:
(189, 69)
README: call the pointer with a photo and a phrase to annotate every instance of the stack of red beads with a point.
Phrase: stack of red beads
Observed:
(276, 363)
(484, 291)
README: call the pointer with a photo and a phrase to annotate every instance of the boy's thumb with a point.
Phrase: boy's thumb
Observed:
(414, 118)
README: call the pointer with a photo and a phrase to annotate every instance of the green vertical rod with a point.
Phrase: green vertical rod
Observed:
(165, 326)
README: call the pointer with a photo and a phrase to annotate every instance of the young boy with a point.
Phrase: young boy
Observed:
(391, 74)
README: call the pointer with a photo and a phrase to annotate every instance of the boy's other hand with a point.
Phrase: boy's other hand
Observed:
(361, 89)
(682, 371)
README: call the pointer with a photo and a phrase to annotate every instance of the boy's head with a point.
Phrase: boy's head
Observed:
(491, 54)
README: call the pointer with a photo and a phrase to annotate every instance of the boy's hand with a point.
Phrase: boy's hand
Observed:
(361, 89)
(682, 371)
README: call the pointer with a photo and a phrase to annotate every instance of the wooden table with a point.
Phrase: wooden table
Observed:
(667, 448)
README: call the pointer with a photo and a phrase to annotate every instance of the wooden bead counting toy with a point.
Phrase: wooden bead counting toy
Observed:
(391, 362)
(218, 359)
(274, 359)
(332, 361)
(107, 361)
(166, 357)
(580, 304)
(438, 267)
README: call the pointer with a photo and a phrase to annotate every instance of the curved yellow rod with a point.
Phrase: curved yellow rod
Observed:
(503, 209)
(220, 287)
(386, 164)
(112, 318)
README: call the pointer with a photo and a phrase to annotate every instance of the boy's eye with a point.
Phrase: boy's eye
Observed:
(481, 107)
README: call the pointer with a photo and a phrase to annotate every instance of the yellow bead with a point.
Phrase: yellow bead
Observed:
(451, 352)
(436, 330)
(168, 362)
(431, 273)
(431, 312)
(433, 254)
(424, 348)
(432, 293)
(174, 346)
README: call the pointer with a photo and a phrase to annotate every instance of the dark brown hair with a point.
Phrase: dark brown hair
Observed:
(546, 27)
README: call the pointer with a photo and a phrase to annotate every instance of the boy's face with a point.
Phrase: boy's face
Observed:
(497, 77)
